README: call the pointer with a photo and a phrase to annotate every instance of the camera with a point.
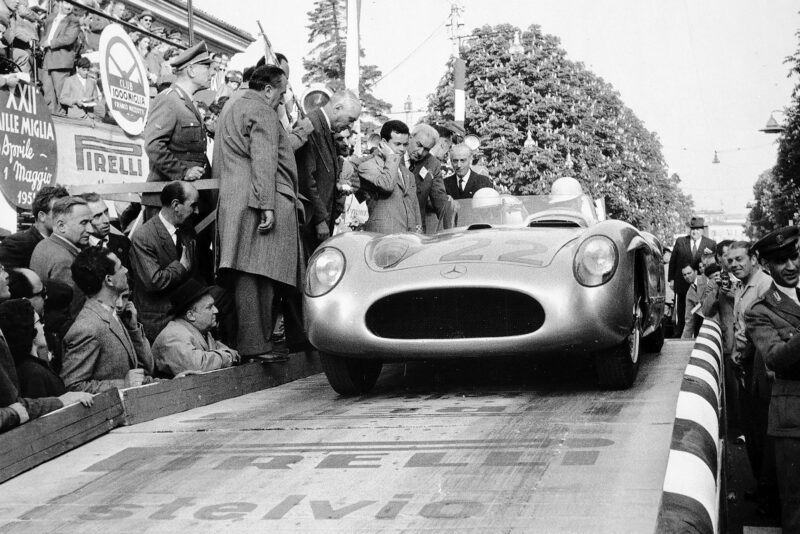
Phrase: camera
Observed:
(725, 280)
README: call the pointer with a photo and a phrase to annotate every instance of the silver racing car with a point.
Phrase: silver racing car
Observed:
(517, 276)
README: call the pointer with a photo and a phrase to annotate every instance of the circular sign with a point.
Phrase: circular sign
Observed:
(124, 79)
(27, 144)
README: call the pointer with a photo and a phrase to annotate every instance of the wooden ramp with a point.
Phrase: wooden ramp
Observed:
(481, 446)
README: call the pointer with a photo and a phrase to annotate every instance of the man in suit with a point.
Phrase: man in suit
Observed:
(103, 349)
(687, 250)
(22, 29)
(163, 255)
(773, 324)
(427, 169)
(79, 92)
(60, 45)
(101, 230)
(176, 140)
(389, 186)
(318, 166)
(260, 251)
(52, 257)
(186, 343)
(464, 182)
(16, 249)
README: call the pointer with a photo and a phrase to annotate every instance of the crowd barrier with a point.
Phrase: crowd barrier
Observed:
(691, 495)
(43, 439)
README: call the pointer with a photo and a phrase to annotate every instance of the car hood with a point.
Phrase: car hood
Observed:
(532, 247)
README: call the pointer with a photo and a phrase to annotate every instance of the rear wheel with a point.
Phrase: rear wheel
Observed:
(350, 376)
(618, 367)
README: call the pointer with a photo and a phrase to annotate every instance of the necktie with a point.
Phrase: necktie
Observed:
(461, 183)
(694, 247)
(178, 244)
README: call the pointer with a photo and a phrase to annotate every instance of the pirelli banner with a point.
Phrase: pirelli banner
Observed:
(98, 154)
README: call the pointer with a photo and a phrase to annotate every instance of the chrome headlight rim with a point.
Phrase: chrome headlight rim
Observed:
(583, 275)
(318, 288)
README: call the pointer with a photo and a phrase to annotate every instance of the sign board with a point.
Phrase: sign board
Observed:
(124, 79)
(28, 148)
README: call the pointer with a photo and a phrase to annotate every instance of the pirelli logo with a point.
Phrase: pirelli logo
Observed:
(107, 157)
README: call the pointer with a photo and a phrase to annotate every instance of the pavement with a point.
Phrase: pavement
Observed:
(475, 446)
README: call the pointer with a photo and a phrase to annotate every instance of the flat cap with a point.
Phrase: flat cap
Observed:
(778, 244)
(196, 55)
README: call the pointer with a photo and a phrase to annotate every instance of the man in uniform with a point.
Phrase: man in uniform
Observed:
(175, 139)
(772, 323)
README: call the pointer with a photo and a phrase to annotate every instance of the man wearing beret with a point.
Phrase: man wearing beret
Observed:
(687, 250)
(773, 324)
(186, 343)
(175, 139)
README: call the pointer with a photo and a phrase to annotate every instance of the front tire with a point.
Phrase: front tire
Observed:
(617, 368)
(350, 376)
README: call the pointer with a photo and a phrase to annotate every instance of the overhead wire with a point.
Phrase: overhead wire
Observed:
(423, 43)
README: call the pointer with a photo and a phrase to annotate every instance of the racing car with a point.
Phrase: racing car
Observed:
(518, 275)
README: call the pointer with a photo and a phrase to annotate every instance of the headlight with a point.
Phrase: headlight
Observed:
(388, 252)
(595, 261)
(325, 269)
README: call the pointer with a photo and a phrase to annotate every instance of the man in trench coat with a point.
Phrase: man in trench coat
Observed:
(260, 251)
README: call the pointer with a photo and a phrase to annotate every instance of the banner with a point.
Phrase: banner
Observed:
(27, 144)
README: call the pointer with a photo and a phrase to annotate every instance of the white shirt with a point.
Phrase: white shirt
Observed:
(790, 292)
(94, 241)
(173, 232)
(462, 180)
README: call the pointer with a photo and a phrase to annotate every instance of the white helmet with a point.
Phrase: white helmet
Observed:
(485, 197)
(564, 189)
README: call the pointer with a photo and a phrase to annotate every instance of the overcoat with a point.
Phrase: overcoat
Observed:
(62, 49)
(16, 249)
(682, 255)
(181, 347)
(318, 169)
(99, 351)
(73, 92)
(392, 195)
(254, 161)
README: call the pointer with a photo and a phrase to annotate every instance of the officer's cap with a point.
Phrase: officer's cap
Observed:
(196, 55)
(778, 244)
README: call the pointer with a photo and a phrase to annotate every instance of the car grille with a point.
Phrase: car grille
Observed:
(457, 313)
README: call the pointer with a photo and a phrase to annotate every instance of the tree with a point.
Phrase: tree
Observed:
(772, 208)
(778, 199)
(577, 123)
(326, 64)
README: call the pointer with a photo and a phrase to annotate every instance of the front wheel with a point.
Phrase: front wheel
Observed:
(655, 341)
(618, 367)
(350, 376)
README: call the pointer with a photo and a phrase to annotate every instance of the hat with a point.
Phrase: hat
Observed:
(198, 54)
(174, 34)
(146, 13)
(233, 76)
(697, 222)
(778, 244)
(187, 294)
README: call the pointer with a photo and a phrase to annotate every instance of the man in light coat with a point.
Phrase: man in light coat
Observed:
(186, 343)
(103, 349)
(60, 45)
(389, 186)
(258, 214)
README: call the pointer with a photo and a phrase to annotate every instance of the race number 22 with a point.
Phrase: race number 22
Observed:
(520, 254)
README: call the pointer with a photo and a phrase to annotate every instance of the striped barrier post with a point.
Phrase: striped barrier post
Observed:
(690, 501)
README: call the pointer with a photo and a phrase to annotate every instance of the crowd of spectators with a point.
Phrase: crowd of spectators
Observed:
(750, 289)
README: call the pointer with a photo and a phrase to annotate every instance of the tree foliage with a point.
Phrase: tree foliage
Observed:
(577, 122)
(326, 64)
(777, 197)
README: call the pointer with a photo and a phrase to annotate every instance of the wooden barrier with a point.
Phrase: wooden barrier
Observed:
(178, 395)
(43, 439)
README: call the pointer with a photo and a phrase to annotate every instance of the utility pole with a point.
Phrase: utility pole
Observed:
(459, 65)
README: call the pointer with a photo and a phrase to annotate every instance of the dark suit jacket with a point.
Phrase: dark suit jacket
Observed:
(174, 139)
(431, 194)
(773, 324)
(99, 351)
(121, 247)
(16, 249)
(682, 256)
(317, 171)
(61, 50)
(157, 271)
(476, 181)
